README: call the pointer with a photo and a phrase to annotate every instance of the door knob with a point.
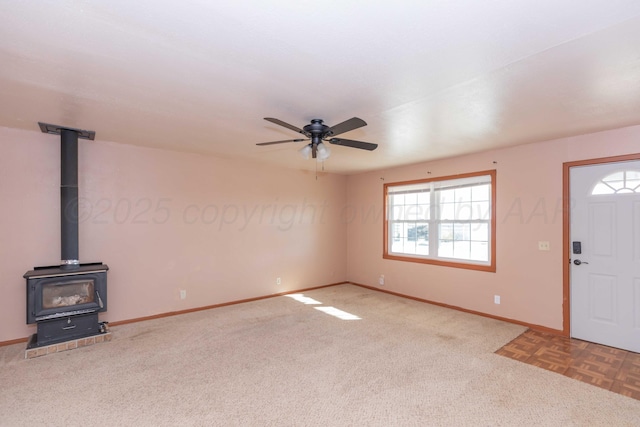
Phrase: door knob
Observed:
(578, 262)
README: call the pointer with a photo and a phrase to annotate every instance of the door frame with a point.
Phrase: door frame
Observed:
(566, 227)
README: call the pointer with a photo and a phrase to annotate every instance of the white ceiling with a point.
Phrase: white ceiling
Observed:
(431, 78)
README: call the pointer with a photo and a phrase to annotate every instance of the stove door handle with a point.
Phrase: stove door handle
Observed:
(69, 327)
(99, 300)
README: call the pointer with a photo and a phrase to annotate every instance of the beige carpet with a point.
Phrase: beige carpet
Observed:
(281, 362)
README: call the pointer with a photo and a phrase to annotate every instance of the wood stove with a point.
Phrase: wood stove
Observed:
(64, 301)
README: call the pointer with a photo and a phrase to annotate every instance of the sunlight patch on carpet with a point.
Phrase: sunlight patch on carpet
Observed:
(338, 313)
(332, 311)
(301, 298)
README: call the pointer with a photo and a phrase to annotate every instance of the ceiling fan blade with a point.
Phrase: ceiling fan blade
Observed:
(281, 142)
(347, 125)
(285, 124)
(355, 144)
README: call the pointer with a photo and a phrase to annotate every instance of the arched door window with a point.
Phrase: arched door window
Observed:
(618, 183)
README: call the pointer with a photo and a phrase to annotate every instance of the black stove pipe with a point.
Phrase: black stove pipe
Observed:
(69, 198)
(68, 189)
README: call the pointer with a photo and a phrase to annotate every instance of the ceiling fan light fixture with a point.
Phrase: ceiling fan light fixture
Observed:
(305, 151)
(323, 152)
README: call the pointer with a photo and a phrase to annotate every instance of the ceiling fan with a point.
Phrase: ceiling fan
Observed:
(318, 132)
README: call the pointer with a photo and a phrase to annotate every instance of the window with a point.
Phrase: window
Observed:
(446, 221)
(619, 182)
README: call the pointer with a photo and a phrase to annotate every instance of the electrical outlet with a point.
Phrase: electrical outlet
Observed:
(381, 280)
(496, 299)
(183, 294)
(278, 281)
(544, 246)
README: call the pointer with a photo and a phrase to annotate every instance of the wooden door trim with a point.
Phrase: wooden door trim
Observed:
(566, 224)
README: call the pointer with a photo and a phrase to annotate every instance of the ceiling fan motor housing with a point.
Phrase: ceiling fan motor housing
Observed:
(317, 130)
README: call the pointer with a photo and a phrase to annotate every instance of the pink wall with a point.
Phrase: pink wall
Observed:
(231, 227)
(164, 221)
(529, 193)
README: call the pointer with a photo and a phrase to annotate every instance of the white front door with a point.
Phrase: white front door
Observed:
(605, 276)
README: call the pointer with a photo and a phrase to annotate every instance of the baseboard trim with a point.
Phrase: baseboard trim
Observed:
(190, 310)
(535, 327)
(209, 307)
(16, 341)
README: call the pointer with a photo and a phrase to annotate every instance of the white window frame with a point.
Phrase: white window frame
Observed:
(425, 213)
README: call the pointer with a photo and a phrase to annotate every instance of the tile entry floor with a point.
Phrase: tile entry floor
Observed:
(606, 367)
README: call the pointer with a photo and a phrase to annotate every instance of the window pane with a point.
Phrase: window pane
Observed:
(463, 211)
(445, 248)
(480, 193)
(412, 232)
(602, 189)
(410, 199)
(409, 247)
(446, 231)
(480, 232)
(461, 249)
(397, 245)
(397, 199)
(479, 251)
(447, 211)
(423, 198)
(447, 196)
(423, 249)
(412, 212)
(409, 238)
(463, 194)
(462, 232)
(617, 185)
(397, 238)
(406, 227)
(618, 176)
(425, 211)
(423, 232)
(481, 210)
(397, 213)
(422, 244)
(445, 241)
